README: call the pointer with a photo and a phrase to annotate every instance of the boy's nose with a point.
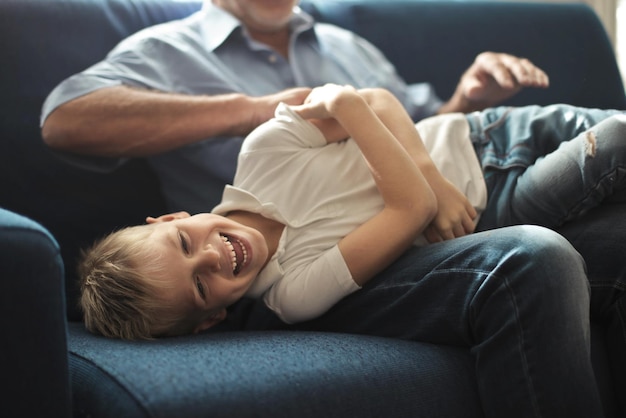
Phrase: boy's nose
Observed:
(211, 259)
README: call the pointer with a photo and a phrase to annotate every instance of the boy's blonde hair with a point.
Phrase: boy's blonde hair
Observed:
(119, 284)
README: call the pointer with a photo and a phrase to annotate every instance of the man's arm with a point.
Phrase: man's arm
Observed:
(124, 121)
(491, 79)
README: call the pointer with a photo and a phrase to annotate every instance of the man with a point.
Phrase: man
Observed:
(224, 82)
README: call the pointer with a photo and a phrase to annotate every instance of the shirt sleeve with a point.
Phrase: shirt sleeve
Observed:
(144, 62)
(76, 86)
(287, 131)
(309, 290)
(419, 99)
(137, 61)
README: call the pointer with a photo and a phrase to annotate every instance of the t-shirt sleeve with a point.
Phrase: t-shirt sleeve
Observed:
(309, 290)
(286, 131)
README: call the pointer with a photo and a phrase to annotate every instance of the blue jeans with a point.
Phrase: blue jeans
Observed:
(516, 297)
(565, 168)
(548, 165)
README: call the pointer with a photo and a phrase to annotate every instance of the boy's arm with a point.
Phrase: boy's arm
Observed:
(455, 215)
(409, 201)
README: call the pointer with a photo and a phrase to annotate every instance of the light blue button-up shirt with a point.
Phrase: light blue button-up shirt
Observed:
(211, 53)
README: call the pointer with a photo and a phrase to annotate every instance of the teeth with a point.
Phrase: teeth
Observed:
(233, 254)
(244, 251)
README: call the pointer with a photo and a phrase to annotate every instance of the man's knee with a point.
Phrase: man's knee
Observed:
(545, 258)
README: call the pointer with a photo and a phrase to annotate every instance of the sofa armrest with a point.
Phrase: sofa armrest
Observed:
(34, 359)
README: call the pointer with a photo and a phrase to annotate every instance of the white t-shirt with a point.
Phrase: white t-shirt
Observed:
(321, 192)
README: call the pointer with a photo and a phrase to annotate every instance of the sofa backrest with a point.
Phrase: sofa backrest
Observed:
(45, 41)
(436, 41)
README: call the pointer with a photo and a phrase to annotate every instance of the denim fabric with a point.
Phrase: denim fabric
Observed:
(600, 236)
(548, 165)
(565, 168)
(517, 297)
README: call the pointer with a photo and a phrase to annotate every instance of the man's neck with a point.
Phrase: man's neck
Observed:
(278, 41)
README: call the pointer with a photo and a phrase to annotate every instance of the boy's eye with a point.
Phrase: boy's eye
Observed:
(183, 243)
(200, 287)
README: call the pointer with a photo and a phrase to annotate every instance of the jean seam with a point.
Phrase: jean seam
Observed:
(520, 330)
(575, 211)
(522, 343)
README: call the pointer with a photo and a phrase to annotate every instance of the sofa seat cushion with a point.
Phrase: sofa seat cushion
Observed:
(271, 373)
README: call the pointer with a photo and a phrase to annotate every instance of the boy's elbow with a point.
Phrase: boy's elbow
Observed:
(430, 206)
(421, 207)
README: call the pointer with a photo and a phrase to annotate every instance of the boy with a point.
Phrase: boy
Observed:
(310, 219)
(240, 249)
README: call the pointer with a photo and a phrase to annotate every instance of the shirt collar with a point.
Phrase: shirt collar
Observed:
(222, 24)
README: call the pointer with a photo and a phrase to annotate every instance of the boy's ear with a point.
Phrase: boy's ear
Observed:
(212, 320)
(167, 217)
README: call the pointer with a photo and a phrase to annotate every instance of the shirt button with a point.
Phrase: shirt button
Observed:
(272, 59)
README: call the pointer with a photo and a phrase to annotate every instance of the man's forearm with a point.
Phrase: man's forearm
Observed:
(124, 121)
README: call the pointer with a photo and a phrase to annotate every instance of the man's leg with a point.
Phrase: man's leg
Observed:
(549, 165)
(517, 298)
(568, 172)
(600, 237)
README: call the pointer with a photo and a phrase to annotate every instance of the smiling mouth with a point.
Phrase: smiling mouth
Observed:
(237, 251)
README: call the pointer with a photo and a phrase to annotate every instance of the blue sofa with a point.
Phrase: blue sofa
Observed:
(48, 210)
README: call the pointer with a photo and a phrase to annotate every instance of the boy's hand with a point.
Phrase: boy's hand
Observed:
(455, 216)
(318, 109)
(320, 102)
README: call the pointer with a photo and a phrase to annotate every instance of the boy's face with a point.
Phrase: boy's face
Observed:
(210, 262)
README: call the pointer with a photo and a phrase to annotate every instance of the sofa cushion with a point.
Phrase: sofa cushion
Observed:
(269, 373)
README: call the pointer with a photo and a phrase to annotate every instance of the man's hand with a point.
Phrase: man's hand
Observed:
(266, 105)
(491, 79)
